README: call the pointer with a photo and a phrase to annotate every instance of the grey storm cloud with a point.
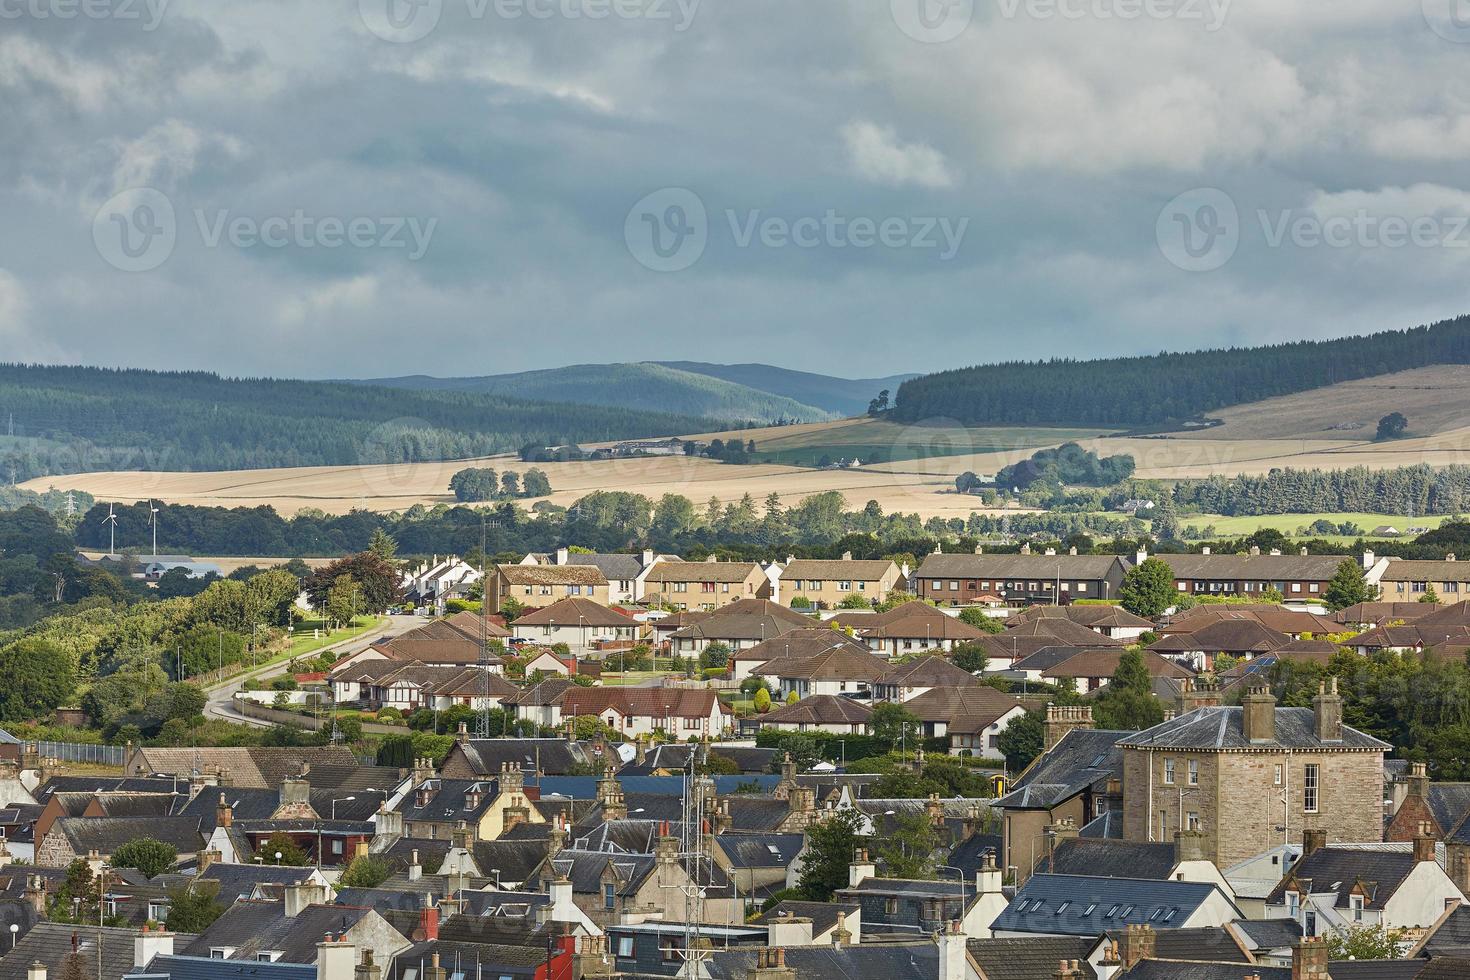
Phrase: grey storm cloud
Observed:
(361, 187)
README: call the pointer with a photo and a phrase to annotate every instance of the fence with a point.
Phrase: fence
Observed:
(102, 755)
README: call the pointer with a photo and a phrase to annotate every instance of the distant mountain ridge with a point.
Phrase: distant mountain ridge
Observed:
(730, 392)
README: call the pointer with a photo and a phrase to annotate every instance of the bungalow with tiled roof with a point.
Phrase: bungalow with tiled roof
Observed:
(913, 627)
(840, 670)
(971, 717)
(738, 625)
(633, 711)
(581, 624)
(820, 713)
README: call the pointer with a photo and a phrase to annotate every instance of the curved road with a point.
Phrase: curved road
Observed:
(221, 703)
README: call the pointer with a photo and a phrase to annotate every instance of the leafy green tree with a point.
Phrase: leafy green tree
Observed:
(1430, 596)
(366, 872)
(150, 856)
(193, 908)
(343, 600)
(1391, 426)
(535, 484)
(831, 844)
(1022, 740)
(971, 657)
(39, 677)
(1128, 703)
(762, 700)
(792, 697)
(975, 616)
(890, 721)
(906, 849)
(1348, 587)
(1148, 588)
(290, 854)
(716, 654)
(383, 545)
(1366, 943)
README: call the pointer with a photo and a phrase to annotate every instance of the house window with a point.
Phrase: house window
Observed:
(1276, 778)
(625, 946)
(1296, 586)
(1169, 771)
(337, 847)
(1452, 587)
(890, 906)
(1312, 587)
(1355, 903)
(681, 586)
(609, 896)
(1418, 586)
(1309, 788)
(670, 949)
(954, 586)
(1194, 772)
(1191, 821)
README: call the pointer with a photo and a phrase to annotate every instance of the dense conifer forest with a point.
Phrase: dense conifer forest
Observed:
(1164, 388)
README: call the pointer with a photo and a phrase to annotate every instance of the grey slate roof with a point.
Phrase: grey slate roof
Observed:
(1078, 905)
(1027, 959)
(107, 834)
(896, 962)
(252, 927)
(204, 968)
(553, 756)
(50, 942)
(462, 959)
(1082, 758)
(1340, 868)
(1110, 859)
(1199, 943)
(1175, 970)
(1020, 566)
(1220, 728)
(822, 914)
(759, 850)
(1267, 934)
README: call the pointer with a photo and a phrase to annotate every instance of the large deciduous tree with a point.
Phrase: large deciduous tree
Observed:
(1148, 588)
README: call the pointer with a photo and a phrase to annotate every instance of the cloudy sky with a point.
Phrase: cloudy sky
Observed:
(344, 188)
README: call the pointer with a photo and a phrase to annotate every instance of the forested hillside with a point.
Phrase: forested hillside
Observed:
(644, 385)
(74, 419)
(1141, 391)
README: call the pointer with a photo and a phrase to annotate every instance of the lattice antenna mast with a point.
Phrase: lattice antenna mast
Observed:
(484, 638)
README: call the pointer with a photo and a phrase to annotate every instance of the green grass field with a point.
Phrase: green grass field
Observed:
(1232, 527)
(877, 441)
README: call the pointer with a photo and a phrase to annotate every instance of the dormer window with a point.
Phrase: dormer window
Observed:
(1355, 905)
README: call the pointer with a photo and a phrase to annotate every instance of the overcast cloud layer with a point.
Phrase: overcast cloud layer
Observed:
(344, 188)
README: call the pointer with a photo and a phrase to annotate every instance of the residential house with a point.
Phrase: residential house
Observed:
(1022, 580)
(913, 627)
(1088, 905)
(908, 680)
(827, 922)
(1179, 860)
(434, 582)
(70, 838)
(797, 643)
(971, 717)
(705, 585)
(611, 886)
(1298, 578)
(540, 703)
(413, 685)
(474, 758)
(837, 671)
(739, 625)
(328, 766)
(534, 586)
(1254, 775)
(1075, 780)
(1114, 622)
(1407, 580)
(1087, 671)
(1338, 887)
(820, 713)
(582, 624)
(1242, 639)
(633, 711)
(625, 573)
(825, 584)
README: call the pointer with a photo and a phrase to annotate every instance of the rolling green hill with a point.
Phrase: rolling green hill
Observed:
(75, 419)
(644, 385)
(1169, 388)
(840, 396)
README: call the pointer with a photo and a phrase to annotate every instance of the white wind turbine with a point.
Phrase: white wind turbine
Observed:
(111, 523)
(153, 519)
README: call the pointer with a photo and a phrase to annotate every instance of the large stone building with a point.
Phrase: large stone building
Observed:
(1251, 777)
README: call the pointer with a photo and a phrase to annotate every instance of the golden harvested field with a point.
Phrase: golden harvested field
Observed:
(1294, 431)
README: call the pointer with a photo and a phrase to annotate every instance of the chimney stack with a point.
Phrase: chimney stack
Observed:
(336, 958)
(1189, 845)
(1313, 840)
(1258, 715)
(1327, 712)
(1138, 944)
(1309, 960)
(1063, 718)
(1424, 843)
(770, 964)
(149, 943)
(861, 868)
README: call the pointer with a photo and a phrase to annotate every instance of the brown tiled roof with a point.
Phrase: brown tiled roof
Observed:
(1411, 570)
(803, 641)
(855, 570)
(551, 574)
(919, 619)
(744, 619)
(1093, 617)
(820, 709)
(932, 671)
(469, 623)
(655, 702)
(257, 767)
(1224, 636)
(1414, 634)
(997, 566)
(572, 611)
(1263, 568)
(701, 571)
(1455, 614)
(962, 709)
(406, 647)
(1103, 663)
(1064, 630)
(1383, 612)
(839, 663)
